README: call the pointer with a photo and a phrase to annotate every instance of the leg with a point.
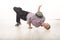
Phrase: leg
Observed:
(18, 20)
(21, 14)
(18, 13)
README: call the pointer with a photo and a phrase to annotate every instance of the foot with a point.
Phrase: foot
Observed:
(17, 24)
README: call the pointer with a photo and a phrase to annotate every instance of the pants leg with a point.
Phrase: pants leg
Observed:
(18, 11)
(17, 18)
(24, 15)
(20, 14)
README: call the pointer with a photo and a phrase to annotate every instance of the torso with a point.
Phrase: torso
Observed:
(35, 20)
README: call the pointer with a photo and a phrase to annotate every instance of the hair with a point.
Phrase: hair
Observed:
(39, 16)
(48, 27)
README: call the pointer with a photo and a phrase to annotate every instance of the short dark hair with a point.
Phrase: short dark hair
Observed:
(48, 27)
(39, 16)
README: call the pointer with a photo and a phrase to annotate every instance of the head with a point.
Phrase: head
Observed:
(39, 14)
(46, 26)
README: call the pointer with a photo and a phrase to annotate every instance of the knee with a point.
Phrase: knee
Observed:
(14, 8)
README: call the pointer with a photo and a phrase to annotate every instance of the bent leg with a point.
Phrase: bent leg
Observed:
(18, 18)
(17, 15)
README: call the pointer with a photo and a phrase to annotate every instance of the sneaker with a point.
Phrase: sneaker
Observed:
(17, 24)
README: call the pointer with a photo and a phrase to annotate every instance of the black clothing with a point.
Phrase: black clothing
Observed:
(20, 14)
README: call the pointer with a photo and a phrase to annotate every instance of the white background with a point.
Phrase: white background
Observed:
(50, 8)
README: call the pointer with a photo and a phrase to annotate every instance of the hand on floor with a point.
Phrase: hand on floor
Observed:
(30, 27)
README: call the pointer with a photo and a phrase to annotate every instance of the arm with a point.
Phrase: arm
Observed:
(42, 24)
(39, 8)
(30, 25)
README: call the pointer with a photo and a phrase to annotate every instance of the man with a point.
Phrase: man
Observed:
(36, 19)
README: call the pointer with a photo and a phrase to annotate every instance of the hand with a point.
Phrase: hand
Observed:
(39, 8)
(30, 27)
(40, 5)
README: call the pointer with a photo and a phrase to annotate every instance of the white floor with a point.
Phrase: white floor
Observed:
(9, 32)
